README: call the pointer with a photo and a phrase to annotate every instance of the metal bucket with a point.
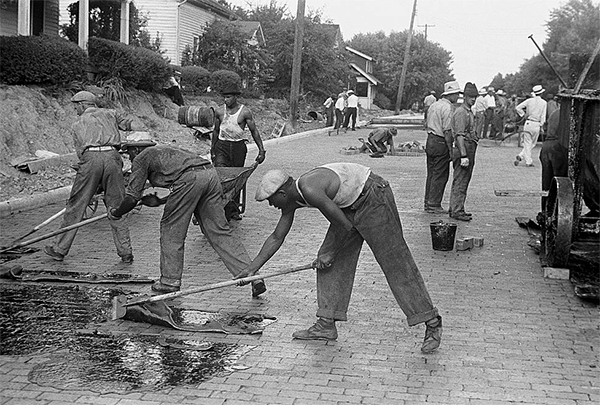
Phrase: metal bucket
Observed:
(443, 235)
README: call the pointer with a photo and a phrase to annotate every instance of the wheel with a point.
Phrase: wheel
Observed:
(558, 229)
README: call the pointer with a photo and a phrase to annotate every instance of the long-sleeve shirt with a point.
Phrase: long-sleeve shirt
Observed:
(340, 103)
(439, 117)
(98, 127)
(535, 107)
(480, 105)
(463, 123)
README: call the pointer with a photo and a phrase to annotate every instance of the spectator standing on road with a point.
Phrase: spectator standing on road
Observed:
(534, 109)
(228, 147)
(359, 206)
(340, 106)
(329, 105)
(195, 190)
(427, 102)
(173, 88)
(551, 106)
(439, 147)
(499, 114)
(465, 141)
(97, 140)
(479, 109)
(351, 110)
(490, 103)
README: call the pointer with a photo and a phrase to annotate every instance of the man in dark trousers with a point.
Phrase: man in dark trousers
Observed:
(195, 190)
(465, 140)
(97, 141)
(359, 206)
(228, 148)
(438, 148)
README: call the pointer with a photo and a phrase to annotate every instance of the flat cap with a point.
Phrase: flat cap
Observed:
(270, 183)
(84, 96)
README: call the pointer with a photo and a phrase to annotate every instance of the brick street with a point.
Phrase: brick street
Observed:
(510, 335)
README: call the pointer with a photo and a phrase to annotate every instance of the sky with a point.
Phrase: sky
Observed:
(485, 37)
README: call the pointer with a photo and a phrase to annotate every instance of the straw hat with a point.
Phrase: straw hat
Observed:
(451, 88)
(538, 89)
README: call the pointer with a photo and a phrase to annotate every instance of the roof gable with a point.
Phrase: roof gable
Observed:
(358, 53)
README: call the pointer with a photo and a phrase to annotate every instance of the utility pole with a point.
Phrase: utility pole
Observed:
(426, 25)
(297, 62)
(406, 59)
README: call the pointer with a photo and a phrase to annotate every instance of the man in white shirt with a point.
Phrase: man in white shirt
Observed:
(479, 109)
(535, 109)
(490, 102)
(430, 99)
(351, 110)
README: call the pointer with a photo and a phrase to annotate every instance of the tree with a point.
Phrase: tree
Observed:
(429, 66)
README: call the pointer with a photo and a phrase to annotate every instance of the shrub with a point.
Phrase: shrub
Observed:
(195, 78)
(40, 60)
(224, 79)
(383, 102)
(136, 67)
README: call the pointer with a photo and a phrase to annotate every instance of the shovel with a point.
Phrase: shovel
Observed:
(51, 234)
(121, 302)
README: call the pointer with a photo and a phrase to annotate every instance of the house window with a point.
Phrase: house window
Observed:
(362, 89)
(37, 17)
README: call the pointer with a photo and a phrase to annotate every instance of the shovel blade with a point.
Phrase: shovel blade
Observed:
(118, 307)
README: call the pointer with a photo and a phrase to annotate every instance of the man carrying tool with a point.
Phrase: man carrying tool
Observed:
(228, 148)
(360, 207)
(97, 141)
(195, 190)
(534, 109)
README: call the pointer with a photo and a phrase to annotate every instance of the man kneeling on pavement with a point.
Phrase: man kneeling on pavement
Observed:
(195, 189)
(360, 207)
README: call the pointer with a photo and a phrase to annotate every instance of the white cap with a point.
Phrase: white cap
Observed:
(270, 183)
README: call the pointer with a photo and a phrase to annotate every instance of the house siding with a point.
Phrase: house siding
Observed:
(193, 22)
(162, 18)
(51, 17)
(8, 20)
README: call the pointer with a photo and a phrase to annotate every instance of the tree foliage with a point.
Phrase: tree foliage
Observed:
(428, 68)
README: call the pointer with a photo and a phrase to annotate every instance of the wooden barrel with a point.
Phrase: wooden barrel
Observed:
(195, 116)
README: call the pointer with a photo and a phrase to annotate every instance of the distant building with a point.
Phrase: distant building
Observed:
(366, 83)
(24, 17)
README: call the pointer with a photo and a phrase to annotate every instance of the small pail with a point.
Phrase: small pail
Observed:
(195, 116)
(442, 235)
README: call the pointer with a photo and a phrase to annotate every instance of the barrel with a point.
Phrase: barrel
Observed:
(442, 235)
(196, 116)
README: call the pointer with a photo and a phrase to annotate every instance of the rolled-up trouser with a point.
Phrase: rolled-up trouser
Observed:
(96, 168)
(531, 132)
(197, 192)
(375, 217)
(438, 170)
(460, 181)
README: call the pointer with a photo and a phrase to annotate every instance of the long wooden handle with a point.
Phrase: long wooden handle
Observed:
(215, 286)
(38, 227)
(57, 232)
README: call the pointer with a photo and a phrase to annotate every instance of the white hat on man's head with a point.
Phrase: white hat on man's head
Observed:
(500, 92)
(451, 88)
(482, 91)
(270, 183)
(538, 89)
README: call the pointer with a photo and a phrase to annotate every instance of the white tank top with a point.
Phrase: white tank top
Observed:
(230, 129)
(352, 181)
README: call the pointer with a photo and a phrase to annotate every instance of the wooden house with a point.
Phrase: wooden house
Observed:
(29, 17)
(366, 83)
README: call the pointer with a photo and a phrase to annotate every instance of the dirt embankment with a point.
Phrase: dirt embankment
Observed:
(39, 119)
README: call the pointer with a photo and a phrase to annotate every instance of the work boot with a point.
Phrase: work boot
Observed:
(161, 288)
(461, 217)
(127, 259)
(435, 210)
(323, 329)
(433, 335)
(49, 250)
(258, 287)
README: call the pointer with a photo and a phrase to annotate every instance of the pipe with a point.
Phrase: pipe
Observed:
(548, 62)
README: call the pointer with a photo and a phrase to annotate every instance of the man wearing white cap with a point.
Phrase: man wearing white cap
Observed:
(534, 109)
(195, 191)
(97, 141)
(359, 206)
(490, 102)
(438, 148)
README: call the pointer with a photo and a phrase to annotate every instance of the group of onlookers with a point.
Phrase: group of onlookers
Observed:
(344, 109)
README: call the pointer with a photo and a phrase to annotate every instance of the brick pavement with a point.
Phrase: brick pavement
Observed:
(510, 335)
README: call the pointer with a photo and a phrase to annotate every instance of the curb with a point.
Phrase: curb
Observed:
(37, 200)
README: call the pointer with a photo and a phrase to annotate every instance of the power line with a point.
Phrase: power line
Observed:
(426, 25)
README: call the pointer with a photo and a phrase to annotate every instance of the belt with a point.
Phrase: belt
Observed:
(100, 148)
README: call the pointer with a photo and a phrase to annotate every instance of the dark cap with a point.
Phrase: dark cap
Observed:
(470, 90)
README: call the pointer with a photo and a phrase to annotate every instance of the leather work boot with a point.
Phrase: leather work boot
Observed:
(49, 250)
(161, 288)
(258, 287)
(128, 259)
(322, 330)
(435, 210)
(433, 335)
